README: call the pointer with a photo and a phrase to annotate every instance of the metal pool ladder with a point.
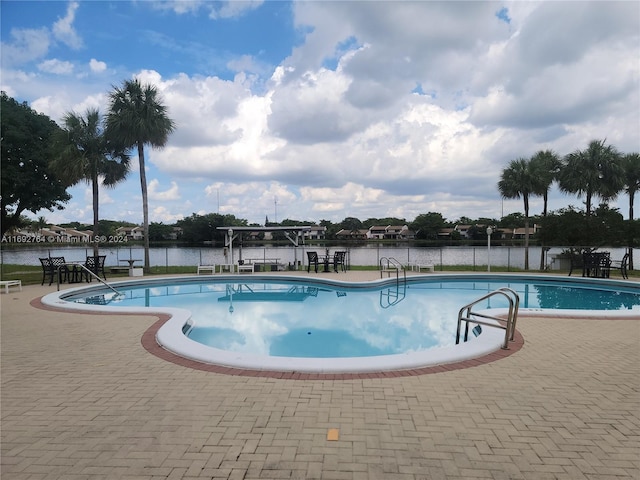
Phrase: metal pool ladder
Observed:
(468, 316)
(390, 265)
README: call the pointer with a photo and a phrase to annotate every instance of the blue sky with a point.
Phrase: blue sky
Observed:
(325, 110)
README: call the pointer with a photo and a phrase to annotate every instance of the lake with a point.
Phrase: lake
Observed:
(366, 255)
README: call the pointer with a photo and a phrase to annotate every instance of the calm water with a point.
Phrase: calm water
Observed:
(361, 255)
(296, 319)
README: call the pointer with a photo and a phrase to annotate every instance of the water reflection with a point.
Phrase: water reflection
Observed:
(307, 321)
(565, 297)
(294, 319)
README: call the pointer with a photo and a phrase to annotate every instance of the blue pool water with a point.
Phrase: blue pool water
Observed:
(287, 317)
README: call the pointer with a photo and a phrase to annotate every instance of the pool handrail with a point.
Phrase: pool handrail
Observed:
(389, 265)
(90, 273)
(472, 317)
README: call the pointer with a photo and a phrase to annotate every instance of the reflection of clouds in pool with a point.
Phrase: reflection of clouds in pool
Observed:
(405, 327)
(253, 328)
(423, 319)
(361, 314)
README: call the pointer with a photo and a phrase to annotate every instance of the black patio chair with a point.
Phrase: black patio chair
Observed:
(339, 261)
(95, 264)
(596, 264)
(621, 265)
(312, 259)
(53, 267)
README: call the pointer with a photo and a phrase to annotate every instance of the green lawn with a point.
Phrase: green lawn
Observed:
(32, 275)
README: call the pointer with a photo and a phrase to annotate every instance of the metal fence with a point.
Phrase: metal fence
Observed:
(471, 257)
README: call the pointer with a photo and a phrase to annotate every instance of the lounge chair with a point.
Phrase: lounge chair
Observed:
(207, 268)
(313, 259)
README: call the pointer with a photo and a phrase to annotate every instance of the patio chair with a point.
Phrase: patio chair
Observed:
(95, 264)
(313, 259)
(339, 261)
(621, 265)
(596, 264)
(52, 267)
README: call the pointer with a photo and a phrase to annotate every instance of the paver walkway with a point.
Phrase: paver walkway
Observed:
(82, 399)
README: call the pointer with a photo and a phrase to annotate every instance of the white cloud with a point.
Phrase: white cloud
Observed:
(63, 30)
(221, 9)
(97, 66)
(162, 214)
(172, 193)
(27, 45)
(56, 66)
(383, 108)
(234, 8)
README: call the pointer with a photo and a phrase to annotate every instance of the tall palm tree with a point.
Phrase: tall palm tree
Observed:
(545, 166)
(518, 180)
(595, 171)
(82, 153)
(631, 165)
(137, 116)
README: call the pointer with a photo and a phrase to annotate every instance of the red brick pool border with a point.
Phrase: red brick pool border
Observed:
(150, 344)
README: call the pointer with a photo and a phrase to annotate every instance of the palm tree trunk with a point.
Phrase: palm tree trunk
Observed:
(145, 205)
(526, 231)
(630, 243)
(545, 197)
(96, 233)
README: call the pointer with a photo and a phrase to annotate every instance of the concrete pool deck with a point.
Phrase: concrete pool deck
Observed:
(82, 399)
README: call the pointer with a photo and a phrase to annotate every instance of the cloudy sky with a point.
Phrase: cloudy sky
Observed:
(325, 110)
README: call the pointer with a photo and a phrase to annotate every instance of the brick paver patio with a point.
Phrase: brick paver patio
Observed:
(82, 399)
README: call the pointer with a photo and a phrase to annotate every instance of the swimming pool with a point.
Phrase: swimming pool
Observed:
(320, 326)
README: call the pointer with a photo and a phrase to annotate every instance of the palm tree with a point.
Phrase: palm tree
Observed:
(631, 165)
(137, 117)
(518, 180)
(40, 223)
(595, 171)
(82, 153)
(545, 166)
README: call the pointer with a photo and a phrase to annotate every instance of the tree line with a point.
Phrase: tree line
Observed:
(598, 171)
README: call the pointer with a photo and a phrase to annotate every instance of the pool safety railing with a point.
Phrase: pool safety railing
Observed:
(393, 295)
(390, 265)
(469, 316)
(118, 294)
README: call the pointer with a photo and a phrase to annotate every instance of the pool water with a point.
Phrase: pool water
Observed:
(291, 318)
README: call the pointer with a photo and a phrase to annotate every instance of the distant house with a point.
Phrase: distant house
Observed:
(445, 232)
(395, 231)
(317, 232)
(48, 234)
(503, 233)
(376, 232)
(73, 235)
(390, 232)
(67, 235)
(132, 233)
(519, 233)
(463, 230)
(352, 234)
